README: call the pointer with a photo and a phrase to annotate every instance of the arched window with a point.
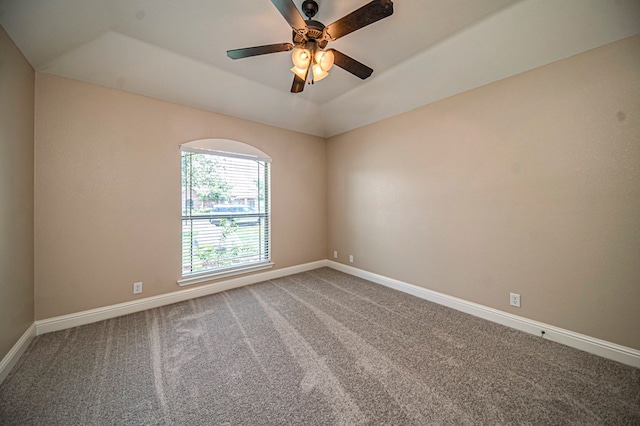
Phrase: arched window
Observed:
(225, 209)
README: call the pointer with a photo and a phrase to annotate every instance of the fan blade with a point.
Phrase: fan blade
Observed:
(259, 50)
(290, 13)
(298, 84)
(367, 14)
(351, 65)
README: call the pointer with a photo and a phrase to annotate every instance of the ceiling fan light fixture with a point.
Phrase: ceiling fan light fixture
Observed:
(300, 72)
(301, 58)
(318, 72)
(324, 59)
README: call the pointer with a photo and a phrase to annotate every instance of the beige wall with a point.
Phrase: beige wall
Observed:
(98, 150)
(528, 185)
(16, 194)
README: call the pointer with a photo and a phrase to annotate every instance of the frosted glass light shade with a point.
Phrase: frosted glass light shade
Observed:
(300, 72)
(324, 58)
(318, 72)
(301, 58)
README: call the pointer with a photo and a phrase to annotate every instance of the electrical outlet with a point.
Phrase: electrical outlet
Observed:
(514, 299)
(335, 254)
(137, 288)
(351, 258)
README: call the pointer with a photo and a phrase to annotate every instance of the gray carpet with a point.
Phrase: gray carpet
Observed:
(320, 347)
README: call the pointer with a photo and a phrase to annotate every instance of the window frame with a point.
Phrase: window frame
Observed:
(231, 149)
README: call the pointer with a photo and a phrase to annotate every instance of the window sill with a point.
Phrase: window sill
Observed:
(210, 276)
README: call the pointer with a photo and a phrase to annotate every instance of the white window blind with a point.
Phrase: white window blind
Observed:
(225, 209)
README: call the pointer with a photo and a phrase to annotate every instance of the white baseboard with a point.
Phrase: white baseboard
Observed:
(595, 346)
(99, 314)
(12, 357)
(589, 344)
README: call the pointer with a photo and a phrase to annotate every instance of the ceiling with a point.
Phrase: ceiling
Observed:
(426, 51)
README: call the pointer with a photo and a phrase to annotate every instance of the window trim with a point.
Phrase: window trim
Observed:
(226, 148)
(223, 273)
(232, 149)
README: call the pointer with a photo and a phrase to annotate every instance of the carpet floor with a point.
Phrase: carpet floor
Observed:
(321, 347)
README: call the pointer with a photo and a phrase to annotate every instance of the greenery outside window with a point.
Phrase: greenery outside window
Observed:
(225, 209)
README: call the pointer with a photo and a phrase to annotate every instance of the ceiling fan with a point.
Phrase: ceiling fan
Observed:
(311, 61)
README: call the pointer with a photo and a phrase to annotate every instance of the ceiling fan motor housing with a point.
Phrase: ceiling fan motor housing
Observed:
(314, 33)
